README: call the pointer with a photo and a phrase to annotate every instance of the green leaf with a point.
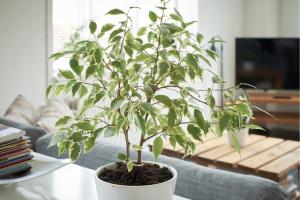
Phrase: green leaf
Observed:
(217, 79)
(177, 13)
(140, 122)
(192, 61)
(114, 33)
(175, 17)
(49, 89)
(157, 146)
(224, 122)
(171, 118)
(211, 54)
(115, 12)
(99, 96)
(253, 126)
(129, 166)
(199, 37)
(75, 88)
(128, 50)
(75, 66)
(210, 101)
(109, 132)
(67, 74)
(152, 16)
(199, 119)
(116, 103)
(106, 27)
(194, 131)
(90, 71)
(164, 100)
(93, 27)
(82, 91)
(122, 156)
(76, 137)
(98, 55)
(56, 138)
(84, 125)
(244, 109)
(63, 121)
(63, 146)
(141, 31)
(163, 68)
(89, 144)
(148, 90)
(147, 107)
(59, 89)
(184, 92)
(235, 142)
(57, 55)
(74, 151)
(146, 46)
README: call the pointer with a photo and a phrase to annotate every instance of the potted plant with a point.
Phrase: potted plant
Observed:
(142, 80)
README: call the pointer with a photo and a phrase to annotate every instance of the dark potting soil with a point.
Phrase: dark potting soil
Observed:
(146, 174)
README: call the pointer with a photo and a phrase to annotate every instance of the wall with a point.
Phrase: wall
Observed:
(218, 17)
(289, 18)
(22, 51)
(271, 18)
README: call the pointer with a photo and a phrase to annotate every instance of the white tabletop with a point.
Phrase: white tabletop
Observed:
(70, 182)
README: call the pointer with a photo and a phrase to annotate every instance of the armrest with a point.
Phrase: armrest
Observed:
(33, 132)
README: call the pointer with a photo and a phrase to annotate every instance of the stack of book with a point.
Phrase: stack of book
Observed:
(15, 152)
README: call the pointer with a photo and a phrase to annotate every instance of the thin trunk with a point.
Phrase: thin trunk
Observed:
(127, 144)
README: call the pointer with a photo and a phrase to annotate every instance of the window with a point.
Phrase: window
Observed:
(71, 17)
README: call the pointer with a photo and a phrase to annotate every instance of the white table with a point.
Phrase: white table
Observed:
(71, 182)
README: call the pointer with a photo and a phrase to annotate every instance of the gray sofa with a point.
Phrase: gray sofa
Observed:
(194, 182)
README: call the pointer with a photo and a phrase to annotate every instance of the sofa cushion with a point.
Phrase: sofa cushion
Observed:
(22, 111)
(54, 109)
(33, 132)
(194, 181)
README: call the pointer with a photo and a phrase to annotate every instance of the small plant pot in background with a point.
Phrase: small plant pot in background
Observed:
(241, 137)
(164, 190)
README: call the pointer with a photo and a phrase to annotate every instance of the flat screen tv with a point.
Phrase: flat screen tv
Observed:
(268, 63)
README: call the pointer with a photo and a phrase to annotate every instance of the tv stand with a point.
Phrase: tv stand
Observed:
(281, 97)
(285, 118)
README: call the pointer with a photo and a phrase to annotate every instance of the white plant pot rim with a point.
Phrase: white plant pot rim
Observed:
(174, 172)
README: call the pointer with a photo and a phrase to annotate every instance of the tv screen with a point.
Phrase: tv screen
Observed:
(268, 63)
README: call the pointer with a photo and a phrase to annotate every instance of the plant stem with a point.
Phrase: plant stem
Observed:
(127, 144)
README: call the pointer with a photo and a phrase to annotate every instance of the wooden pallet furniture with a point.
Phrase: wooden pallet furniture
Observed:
(268, 157)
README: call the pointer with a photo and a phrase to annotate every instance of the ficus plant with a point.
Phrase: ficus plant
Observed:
(127, 77)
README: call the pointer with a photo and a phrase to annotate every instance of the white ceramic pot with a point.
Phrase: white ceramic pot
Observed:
(160, 191)
(241, 137)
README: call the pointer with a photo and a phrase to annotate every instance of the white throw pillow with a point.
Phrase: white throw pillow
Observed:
(22, 111)
(54, 109)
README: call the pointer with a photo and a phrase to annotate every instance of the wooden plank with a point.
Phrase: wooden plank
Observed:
(267, 156)
(226, 149)
(280, 167)
(207, 145)
(249, 151)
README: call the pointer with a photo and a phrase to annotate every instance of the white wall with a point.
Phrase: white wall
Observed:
(271, 18)
(22, 51)
(218, 17)
(261, 18)
(289, 18)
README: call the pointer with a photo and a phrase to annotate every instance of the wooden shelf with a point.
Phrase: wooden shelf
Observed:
(281, 118)
(265, 98)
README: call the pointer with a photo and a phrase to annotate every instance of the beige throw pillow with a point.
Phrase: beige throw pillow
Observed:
(22, 111)
(54, 109)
